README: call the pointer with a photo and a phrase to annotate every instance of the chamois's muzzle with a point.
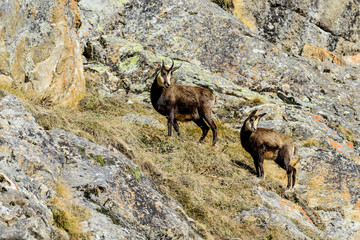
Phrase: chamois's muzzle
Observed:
(167, 85)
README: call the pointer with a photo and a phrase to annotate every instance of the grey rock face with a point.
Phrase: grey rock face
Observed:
(123, 204)
(304, 98)
(292, 24)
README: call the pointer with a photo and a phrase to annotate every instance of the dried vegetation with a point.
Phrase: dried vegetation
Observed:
(213, 184)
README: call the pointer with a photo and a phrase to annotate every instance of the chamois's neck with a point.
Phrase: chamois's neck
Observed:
(244, 134)
(155, 92)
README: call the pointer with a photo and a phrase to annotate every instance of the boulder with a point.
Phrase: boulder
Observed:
(120, 201)
(40, 48)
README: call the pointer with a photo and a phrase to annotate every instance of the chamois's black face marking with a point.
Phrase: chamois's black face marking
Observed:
(164, 76)
(253, 120)
(252, 124)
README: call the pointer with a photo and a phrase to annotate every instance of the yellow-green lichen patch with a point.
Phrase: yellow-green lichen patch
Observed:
(129, 63)
(100, 68)
(122, 2)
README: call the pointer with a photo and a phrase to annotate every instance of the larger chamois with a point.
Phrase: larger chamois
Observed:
(258, 141)
(182, 103)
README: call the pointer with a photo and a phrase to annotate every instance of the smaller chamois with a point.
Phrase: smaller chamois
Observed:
(182, 103)
(258, 141)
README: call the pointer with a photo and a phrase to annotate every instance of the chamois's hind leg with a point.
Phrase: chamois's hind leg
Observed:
(204, 127)
(212, 125)
(283, 160)
(176, 127)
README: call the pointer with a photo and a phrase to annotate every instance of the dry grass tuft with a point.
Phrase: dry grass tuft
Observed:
(67, 215)
(311, 142)
(258, 101)
(348, 134)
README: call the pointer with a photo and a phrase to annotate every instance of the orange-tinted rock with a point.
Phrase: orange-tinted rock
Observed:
(352, 60)
(321, 54)
(40, 48)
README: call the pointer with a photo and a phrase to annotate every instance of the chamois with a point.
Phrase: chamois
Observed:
(258, 141)
(182, 103)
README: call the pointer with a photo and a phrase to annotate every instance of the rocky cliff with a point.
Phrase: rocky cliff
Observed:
(40, 49)
(257, 62)
(291, 24)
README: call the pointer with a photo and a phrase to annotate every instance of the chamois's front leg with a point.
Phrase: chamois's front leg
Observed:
(261, 168)
(170, 122)
(261, 153)
(256, 163)
(258, 158)
(291, 176)
(176, 127)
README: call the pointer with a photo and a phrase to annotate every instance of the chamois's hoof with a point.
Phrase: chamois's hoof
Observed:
(291, 189)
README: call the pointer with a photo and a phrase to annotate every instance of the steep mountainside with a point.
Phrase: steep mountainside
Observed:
(116, 47)
(292, 24)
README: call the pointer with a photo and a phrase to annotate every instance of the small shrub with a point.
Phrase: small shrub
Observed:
(67, 215)
(100, 160)
(136, 173)
(311, 142)
(350, 138)
(258, 100)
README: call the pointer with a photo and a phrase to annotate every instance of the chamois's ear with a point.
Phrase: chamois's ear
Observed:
(261, 115)
(173, 80)
(175, 68)
(253, 113)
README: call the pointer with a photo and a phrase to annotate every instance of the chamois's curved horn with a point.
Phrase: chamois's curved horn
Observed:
(261, 115)
(163, 65)
(175, 68)
(253, 113)
(172, 65)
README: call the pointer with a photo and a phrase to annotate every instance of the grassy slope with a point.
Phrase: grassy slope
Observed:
(212, 183)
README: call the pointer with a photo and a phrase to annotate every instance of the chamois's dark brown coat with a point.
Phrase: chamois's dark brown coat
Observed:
(182, 103)
(260, 141)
